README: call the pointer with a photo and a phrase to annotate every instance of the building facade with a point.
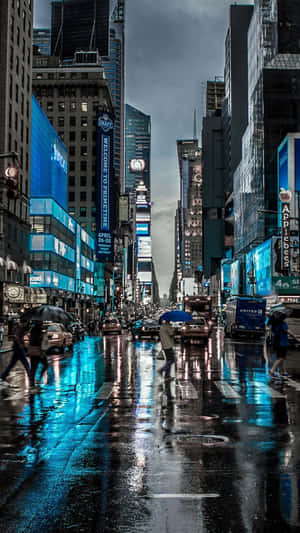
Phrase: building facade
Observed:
(15, 109)
(273, 103)
(62, 252)
(78, 25)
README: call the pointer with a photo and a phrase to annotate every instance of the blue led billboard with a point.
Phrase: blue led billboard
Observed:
(50, 243)
(104, 188)
(47, 206)
(259, 270)
(297, 165)
(235, 277)
(143, 229)
(50, 279)
(49, 159)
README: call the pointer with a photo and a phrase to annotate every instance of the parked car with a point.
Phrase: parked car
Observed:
(198, 329)
(148, 329)
(59, 338)
(111, 326)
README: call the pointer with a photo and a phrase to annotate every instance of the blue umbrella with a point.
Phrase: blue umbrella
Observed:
(176, 316)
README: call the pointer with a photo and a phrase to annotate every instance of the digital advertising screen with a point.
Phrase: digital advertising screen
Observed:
(144, 247)
(143, 229)
(49, 159)
(235, 277)
(51, 280)
(47, 206)
(259, 270)
(50, 243)
(104, 187)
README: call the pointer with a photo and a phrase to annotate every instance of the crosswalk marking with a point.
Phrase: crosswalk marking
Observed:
(226, 389)
(268, 390)
(185, 496)
(292, 383)
(105, 391)
(187, 390)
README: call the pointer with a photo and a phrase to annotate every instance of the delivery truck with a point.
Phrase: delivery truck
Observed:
(245, 316)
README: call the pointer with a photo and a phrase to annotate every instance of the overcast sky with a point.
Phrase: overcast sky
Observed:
(172, 48)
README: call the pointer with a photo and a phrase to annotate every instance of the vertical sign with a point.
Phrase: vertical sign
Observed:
(104, 188)
(285, 237)
(78, 259)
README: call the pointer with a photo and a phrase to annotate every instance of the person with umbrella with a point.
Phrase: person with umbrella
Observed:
(166, 334)
(18, 352)
(280, 341)
(35, 352)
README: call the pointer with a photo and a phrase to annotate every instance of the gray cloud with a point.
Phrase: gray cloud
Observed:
(172, 49)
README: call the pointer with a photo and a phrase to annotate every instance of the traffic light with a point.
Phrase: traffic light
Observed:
(12, 182)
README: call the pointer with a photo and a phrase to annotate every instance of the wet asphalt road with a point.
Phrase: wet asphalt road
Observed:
(107, 446)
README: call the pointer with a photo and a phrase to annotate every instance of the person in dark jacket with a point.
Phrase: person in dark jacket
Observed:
(37, 356)
(19, 353)
(280, 340)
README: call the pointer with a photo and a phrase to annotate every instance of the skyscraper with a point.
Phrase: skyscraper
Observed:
(137, 149)
(114, 67)
(79, 25)
(274, 111)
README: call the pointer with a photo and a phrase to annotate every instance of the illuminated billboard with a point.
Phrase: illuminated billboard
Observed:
(137, 165)
(51, 280)
(144, 247)
(104, 188)
(50, 243)
(49, 159)
(288, 168)
(235, 277)
(259, 270)
(143, 229)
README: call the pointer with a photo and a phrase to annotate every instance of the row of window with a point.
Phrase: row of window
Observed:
(61, 75)
(83, 211)
(73, 106)
(83, 197)
(61, 122)
(83, 181)
(67, 91)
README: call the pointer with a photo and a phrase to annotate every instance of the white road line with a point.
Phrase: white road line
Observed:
(268, 390)
(292, 383)
(226, 389)
(188, 391)
(18, 396)
(184, 496)
(105, 391)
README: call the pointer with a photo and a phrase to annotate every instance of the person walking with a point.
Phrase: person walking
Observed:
(166, 334)
(19, 353)
(37, 355)
(280, 340)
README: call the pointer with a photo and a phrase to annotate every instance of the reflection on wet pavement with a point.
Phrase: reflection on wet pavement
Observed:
(107, 445)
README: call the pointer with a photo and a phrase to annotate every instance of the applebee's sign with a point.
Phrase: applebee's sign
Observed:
(285, 236)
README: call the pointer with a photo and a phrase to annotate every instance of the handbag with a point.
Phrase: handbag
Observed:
(161, 355)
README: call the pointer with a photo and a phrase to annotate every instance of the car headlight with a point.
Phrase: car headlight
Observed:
(55, 336)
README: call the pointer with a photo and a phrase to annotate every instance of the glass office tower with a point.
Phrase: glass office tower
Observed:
(137, 148)
(79, 25)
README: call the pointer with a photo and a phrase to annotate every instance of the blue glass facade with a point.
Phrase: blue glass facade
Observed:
(49, 159)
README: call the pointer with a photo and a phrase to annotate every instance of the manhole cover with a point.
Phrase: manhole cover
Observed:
(204, 440)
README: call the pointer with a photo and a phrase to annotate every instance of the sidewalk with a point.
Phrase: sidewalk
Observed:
(6, 346)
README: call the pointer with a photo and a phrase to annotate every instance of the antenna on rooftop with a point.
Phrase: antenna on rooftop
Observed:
(195, 125)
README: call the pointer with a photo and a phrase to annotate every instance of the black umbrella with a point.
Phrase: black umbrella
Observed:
(48, 313)
(280, 312)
